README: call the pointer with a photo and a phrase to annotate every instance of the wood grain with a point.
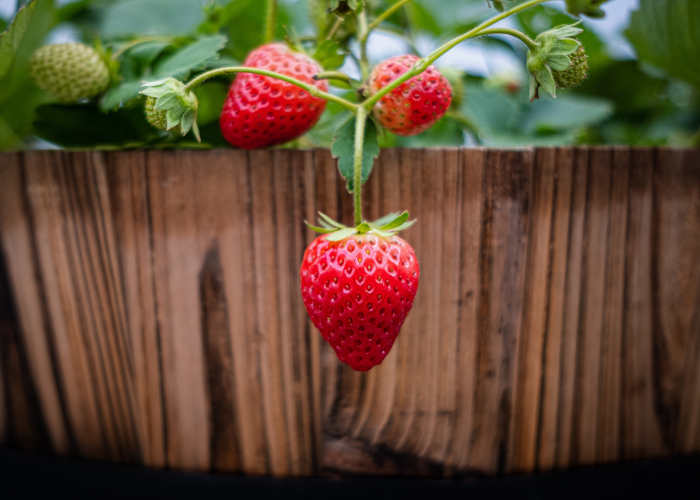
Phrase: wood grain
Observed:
(150, 314)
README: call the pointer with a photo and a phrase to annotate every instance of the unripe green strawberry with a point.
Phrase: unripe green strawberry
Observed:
(556, 60)
(70, 72)
(156, 117)
(576, 73)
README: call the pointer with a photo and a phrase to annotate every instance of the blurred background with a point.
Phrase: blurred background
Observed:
(641, 90)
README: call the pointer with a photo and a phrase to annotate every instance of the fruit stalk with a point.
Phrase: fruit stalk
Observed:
(361, 118)
(270, 18)
(515, 33)
(239, 69)
(423, 64)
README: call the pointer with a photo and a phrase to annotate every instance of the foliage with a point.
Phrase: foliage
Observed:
(655, 100)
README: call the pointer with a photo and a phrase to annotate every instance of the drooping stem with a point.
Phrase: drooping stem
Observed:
(332, 75)
(384, 15)
(424, 63)
(270, 17)
(357, 163)
(507, 31)
(311, 89)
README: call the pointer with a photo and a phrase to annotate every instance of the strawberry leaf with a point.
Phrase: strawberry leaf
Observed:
(344, 149)
(10, 40)
(327, 55)
(590, 8)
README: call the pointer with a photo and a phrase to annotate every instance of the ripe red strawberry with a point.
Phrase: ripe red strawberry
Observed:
(358, 292)
(261, 111)
(415, 105)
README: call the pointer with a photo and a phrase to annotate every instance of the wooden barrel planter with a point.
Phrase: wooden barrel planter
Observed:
(150, 311)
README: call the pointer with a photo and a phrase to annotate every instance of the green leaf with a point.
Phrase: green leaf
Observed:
(590, 8)
(178, 65)
(344, 149)
(666, 34)
(192, 57)
(569, 112)
(10, 40)
(150, 18)
(341, 234)
(327, 55)
(396, 222)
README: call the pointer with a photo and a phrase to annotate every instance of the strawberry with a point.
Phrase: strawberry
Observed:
(261, 111)
(358, 292)
(70, 71)
(415, 105)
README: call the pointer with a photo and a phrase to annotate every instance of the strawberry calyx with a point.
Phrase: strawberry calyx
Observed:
(553, 54)
(386, 226)
(177, 104)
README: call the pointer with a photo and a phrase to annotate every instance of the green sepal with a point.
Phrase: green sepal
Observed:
(385, 219)
(341, 234)
(179, 104)
(331, 221)
(558, 62)
(363, 228)
(321, 230)
(385, 227)
(396, 222)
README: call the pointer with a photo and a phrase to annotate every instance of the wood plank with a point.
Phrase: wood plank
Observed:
(528, 360)
(570, 349)
(130, 209)
(640, 431)
(675, 278)
(502, 268)
(592, 318)
(19, 247)
(472, 181)
(548, 431)
(609, 414)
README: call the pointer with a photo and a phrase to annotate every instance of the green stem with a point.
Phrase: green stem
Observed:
(333, 75)
(311, 89)
(362, 35)
(270, 16)
(335, 27)
(361, 118)
(384, 15)
(423, 64)
(507, 31)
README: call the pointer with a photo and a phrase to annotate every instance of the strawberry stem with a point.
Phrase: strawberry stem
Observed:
(357, 163)
(311, 89)
(381, 17)
(507, 31)
(270, 16)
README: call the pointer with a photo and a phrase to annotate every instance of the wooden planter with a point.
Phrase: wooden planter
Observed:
(150, 311)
